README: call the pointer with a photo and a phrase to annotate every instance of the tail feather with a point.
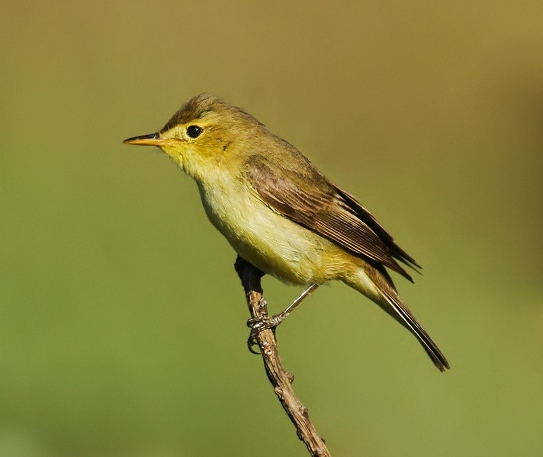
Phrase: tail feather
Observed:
(406, 318)
(378, 286)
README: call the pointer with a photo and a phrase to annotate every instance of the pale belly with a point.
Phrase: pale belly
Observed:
(270, 241)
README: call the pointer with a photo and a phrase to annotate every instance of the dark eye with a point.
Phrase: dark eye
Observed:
(194, 131)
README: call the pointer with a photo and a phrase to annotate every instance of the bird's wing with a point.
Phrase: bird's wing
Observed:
(306, 197)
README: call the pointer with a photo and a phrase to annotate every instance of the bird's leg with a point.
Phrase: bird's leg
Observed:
(283, 315)
(257, 325)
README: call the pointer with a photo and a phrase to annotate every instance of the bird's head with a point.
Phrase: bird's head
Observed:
(205, 134)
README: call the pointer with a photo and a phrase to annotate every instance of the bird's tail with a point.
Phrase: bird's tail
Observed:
(379, 288)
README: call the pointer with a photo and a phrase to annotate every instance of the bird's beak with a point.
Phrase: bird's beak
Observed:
(153, 139)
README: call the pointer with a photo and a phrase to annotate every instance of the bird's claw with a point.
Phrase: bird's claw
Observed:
(252, 342)
(259, 324)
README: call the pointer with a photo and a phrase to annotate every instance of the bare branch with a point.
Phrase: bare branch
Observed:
(280, 379)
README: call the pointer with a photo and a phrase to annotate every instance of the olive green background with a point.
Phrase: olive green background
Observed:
(122, 321)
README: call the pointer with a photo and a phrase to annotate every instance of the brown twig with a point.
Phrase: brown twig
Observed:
(280, 379)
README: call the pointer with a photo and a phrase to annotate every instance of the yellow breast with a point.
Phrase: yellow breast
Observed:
(270, 241)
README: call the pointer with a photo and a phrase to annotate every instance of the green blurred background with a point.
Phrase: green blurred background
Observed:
(122, 321)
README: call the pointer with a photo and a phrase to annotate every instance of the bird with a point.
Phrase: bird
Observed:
(280, 213)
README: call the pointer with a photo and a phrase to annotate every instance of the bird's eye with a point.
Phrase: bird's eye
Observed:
(194, 131)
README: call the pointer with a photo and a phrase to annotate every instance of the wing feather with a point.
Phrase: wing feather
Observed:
(306, 197)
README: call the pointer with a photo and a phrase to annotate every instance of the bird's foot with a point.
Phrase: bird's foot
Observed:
(259, 324)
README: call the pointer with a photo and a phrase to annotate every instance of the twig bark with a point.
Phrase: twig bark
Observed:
(280, 379)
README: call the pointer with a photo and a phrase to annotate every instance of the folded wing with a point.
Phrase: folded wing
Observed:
(306, 197)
